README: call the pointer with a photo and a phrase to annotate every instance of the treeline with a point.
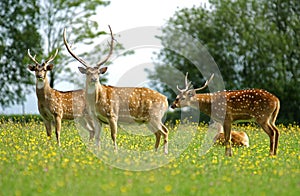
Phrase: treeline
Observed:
(18, 118)
(246, 43)
(171, 118)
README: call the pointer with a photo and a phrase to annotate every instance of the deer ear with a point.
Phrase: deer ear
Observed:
(31, 67)
(49, 67)
(82, 70)
(103, 70)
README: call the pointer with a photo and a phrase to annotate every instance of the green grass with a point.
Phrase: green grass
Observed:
(30, 164)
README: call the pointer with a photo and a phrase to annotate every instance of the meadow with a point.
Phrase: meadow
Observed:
(30, 164)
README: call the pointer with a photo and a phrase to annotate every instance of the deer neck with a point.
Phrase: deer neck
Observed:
(42, 87)
(204, 102)
(93, 91)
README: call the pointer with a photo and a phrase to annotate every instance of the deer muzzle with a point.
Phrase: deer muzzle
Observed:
(174, 105)
(39, 77)
(94, 79)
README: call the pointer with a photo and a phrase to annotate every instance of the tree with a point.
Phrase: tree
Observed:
(38, 26)
(255, 44)
(17, 33)
(55, 15)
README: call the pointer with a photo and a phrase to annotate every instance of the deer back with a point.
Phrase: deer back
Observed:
(66, 104)
(238, 104)
(251, 103)
(139, 104)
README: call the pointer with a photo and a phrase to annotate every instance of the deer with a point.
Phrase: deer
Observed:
(226, 107)
(54, 105)
(121, 105)
(238, 138)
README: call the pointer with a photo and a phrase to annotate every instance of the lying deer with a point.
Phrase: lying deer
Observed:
(56, 105)
(239, 139)
(116, 105)
(229, 106)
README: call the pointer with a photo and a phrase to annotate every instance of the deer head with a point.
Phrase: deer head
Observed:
(41, 69)
(186, 95)
(92, 73)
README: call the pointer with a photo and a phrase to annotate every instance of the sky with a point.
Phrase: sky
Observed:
(127, 18)
(128, 14)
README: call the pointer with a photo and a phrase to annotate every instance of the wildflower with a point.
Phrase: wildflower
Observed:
(168, 188)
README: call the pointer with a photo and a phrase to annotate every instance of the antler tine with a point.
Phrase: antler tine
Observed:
(71, 52)
(32, 58)
(180, 90)
(206, 83)
(186, 79)
(187, 84)
(51, 58)
(110, 51)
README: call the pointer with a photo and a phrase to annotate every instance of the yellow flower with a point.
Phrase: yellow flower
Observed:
(123, 189)
(148, 190)
(168, 188)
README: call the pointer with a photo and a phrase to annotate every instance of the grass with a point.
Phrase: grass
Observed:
(30, 164)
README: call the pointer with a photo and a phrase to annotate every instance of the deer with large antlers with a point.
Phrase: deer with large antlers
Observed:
(116, 105)
(56, 105)
(227, 107)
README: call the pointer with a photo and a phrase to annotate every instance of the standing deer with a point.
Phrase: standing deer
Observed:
(229, 106)
(56, 105)
(116, 105)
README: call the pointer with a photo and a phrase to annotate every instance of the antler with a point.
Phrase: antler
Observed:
(32, 58)
(187, 84)
(72, 53)
(110, 51)
(51, 58)
(206, 83)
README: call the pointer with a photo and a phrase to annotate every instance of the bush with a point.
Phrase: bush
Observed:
(19, 118)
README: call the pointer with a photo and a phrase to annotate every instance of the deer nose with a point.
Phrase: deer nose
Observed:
(94, 79)
(173, 106)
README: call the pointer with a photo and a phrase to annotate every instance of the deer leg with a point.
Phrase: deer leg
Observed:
(156, 132)
(276, 131)
(113, 130)
(274, 128)
(89, 124)
(165, 134)
(48, 128)
(97, 131)
(159, 129)
(227, 135)
(269, 130)
(92, 134)
(57, 128)
(157, 135)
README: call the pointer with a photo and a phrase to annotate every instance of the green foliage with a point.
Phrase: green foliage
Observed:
(175, 116)
(30, 164)
(18, 31)
(55, 15)
(18, 118)
(254, 43)
(38, 26)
